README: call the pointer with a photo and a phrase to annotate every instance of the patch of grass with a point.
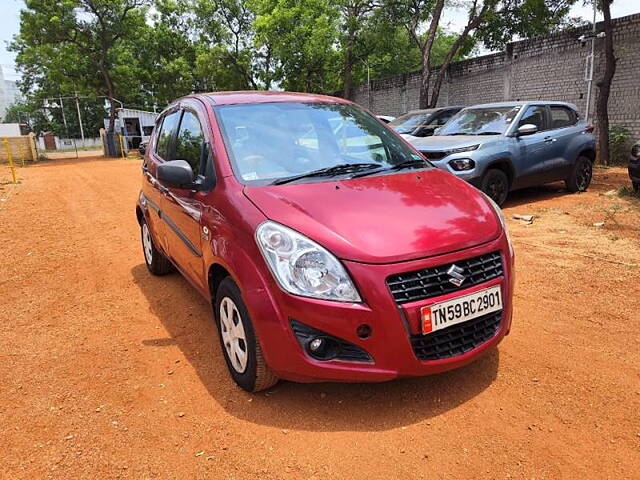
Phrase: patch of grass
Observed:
(628, 192)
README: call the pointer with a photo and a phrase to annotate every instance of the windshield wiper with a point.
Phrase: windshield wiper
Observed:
(402, 165)
(341, 169)
(461, 133)
(489, 133)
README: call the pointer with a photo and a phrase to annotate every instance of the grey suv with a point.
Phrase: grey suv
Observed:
(501, 147)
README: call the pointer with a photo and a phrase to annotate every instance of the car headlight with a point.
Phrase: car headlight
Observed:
(503, 222)
(462, 164)
(302, 267)
(462, 149)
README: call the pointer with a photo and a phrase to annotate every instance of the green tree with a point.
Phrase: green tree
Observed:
(301, 37)
(86, 43)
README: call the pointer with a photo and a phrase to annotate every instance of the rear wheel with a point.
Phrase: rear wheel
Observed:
(581, 175)
(156, 262)
(495, 184)
(239, 342)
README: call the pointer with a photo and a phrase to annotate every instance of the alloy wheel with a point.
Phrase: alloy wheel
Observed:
(497, 190)
(233, 335)
(147, 244)
(584, 176)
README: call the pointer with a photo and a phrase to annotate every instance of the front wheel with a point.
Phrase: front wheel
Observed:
(239, 342)
(581, 175)
(156, 262)
(636, 187)
(495, 184)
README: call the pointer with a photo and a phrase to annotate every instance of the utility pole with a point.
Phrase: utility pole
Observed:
(592, 61)
(80, 121)
(66, 129)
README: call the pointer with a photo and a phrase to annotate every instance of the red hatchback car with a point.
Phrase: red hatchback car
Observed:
(328, 247)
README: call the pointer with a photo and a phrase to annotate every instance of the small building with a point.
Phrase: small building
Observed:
(135, 125)
(13, 129)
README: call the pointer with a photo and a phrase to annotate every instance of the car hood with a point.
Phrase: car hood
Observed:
(437, 143)
(384, 218)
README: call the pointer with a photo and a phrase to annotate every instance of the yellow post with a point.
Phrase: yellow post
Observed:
(11, 166)
(20, 151)
(121, 145)
(32, 147)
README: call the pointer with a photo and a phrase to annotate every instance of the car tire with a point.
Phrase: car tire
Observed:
(581, 175)
(495, 184)
(156, 262)
(238, 340)
(636, 187)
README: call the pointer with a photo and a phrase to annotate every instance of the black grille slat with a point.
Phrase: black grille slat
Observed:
(435, 155)
(434, 281)
(456, 339)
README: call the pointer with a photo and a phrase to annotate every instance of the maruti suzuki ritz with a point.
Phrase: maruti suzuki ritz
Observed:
(329, 249)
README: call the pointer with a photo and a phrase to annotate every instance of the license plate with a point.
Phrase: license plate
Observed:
(460, 309)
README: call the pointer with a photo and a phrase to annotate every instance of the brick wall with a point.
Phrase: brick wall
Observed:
(544, 68)
(21, 148)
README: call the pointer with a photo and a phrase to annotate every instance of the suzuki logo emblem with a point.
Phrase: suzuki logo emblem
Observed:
(456, 275)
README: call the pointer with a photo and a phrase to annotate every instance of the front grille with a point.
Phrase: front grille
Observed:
(435, 155)
(434, 281)
(456, 339)
(345, 351)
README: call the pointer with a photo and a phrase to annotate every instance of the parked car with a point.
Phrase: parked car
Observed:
(422, 123)
(386, 118)
(502, 147)
(326, 256)
(634, 167)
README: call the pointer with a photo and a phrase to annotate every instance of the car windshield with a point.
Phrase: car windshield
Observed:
(481, 121)
(409, 122)
(272, 142)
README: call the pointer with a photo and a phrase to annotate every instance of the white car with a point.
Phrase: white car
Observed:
(422, 123)
(386, 118)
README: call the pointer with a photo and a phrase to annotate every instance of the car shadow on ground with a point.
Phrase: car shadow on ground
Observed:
(315, 407)
(529, 195)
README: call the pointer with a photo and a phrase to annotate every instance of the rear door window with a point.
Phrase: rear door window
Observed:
(189, 141)
(165, 137)
(562, 117)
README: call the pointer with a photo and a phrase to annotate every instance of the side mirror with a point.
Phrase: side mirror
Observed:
(526, 129)
(176, 173)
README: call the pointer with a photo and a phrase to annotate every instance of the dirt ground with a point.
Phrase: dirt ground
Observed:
(108, 372)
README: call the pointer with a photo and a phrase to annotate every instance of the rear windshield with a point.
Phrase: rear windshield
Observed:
(272, 141)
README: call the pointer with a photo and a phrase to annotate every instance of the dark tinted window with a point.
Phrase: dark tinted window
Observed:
(166, 132)
(562, 117)
(189, 141)
(534, 115)
(444, 117)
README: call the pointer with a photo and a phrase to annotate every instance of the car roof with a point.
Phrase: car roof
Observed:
(255, 96)
(523, 102)
(436, 109)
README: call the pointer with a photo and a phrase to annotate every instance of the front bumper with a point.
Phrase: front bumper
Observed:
(392, 325)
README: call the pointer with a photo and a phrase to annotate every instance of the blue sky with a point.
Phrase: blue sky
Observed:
(10, 24)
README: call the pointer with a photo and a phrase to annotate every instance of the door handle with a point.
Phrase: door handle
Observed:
(549, 140)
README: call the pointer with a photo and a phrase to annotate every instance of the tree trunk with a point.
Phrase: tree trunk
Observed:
(604, 86)
(435, 92)
(348, 69)
(474, 22)
(426, 54)
(110, 93)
